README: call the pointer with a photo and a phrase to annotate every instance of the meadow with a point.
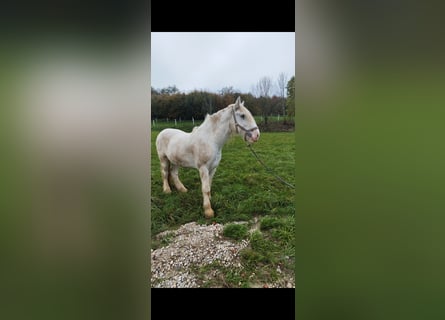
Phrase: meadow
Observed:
(242, 190)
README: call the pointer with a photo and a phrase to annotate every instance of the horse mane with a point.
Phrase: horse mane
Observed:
(214, 117)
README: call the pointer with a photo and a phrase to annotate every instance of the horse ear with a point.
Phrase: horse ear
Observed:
(237, 103)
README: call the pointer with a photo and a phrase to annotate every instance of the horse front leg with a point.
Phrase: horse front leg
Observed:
(205, 182)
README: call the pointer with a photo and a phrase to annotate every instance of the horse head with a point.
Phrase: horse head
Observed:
(245, 124)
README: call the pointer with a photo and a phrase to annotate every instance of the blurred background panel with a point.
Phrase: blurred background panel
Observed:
(369, 117)
(74, 223)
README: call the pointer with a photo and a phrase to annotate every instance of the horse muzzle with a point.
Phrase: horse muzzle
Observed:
(252, 135)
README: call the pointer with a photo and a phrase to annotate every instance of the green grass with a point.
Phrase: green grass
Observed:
(217, 275)
(241, 191)
(164, 241)
(235, 231)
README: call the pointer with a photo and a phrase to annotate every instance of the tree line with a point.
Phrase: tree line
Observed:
(172, 104)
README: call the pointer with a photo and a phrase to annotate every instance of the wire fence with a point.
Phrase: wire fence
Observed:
(188, 124)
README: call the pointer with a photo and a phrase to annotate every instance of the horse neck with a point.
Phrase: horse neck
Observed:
(217, 127)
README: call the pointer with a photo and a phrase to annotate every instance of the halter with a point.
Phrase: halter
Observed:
(247, 132)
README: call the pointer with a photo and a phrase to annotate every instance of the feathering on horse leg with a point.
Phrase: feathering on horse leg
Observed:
(205, 181)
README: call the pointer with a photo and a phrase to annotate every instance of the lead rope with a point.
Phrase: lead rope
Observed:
(269, 169)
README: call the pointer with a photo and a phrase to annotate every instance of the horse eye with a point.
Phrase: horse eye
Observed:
(242, 116)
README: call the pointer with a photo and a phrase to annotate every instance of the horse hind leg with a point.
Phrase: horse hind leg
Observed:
(165, 171)
(174, 173)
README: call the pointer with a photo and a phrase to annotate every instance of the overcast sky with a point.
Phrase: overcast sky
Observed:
(213, 60)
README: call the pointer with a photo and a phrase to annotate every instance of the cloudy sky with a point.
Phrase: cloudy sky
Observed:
(213, 60)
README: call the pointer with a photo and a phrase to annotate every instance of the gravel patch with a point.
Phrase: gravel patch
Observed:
(194, 245)
(191, 245)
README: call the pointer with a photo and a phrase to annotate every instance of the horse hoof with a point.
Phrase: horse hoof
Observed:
(209, 213)
(167, 191)
(183, 190)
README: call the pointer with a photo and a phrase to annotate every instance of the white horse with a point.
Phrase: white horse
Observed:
(201, 148)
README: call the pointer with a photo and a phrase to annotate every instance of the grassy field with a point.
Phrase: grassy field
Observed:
(242, 190)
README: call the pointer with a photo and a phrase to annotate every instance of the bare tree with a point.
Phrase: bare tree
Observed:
(226, 90)
(264, 86)
(254, 90)
(282, 84)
